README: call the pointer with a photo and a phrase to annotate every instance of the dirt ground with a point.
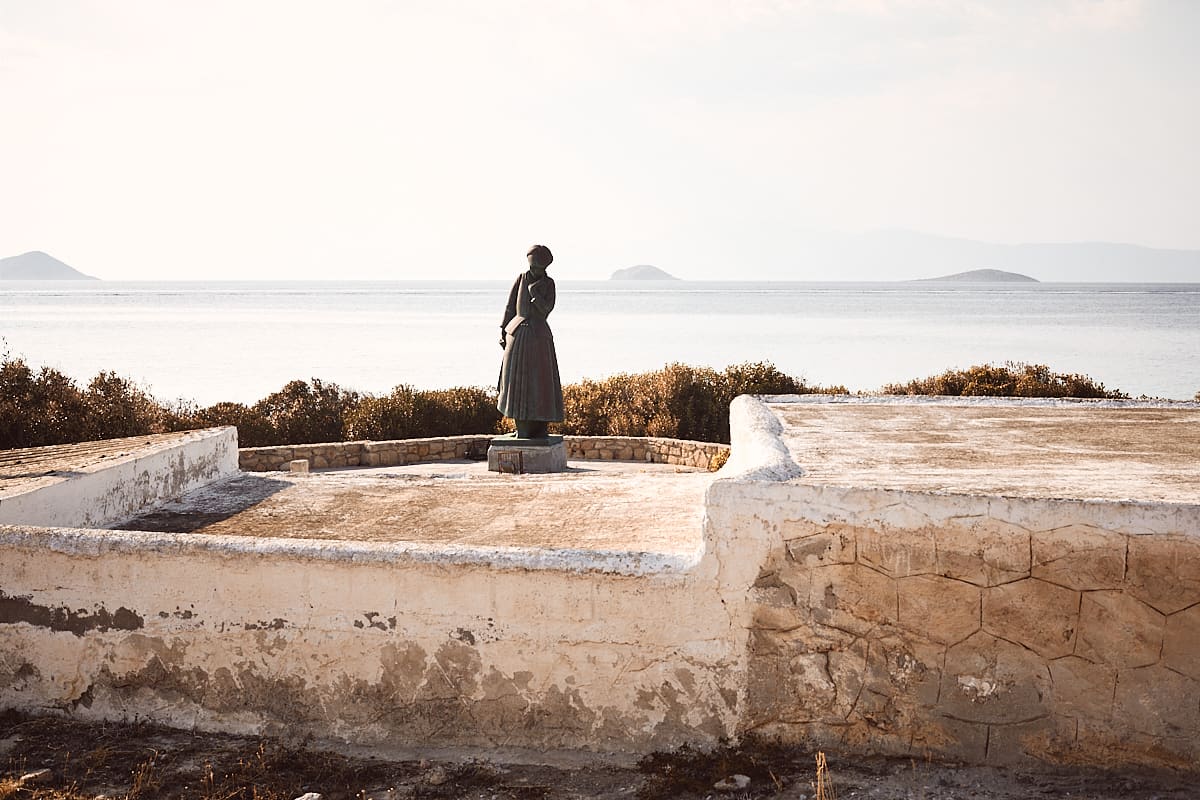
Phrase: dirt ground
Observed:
(135, 762)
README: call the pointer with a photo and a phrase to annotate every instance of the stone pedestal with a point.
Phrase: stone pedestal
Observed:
(522, 456)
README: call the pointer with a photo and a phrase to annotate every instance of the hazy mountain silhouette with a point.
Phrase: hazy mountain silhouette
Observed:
(39, 266)
(642, 272)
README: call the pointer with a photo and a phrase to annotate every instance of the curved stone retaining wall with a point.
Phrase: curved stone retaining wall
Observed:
(412, 451)
(644, 448)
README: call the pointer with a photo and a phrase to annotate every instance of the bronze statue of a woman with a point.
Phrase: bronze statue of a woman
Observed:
(530, 391)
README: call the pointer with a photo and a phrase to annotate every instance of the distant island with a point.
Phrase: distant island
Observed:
(642, 272)
(881, 254)
(38, 266)
(985, 276)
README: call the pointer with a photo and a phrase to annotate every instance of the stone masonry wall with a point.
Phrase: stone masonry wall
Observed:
(985, 629)
(413, 451)
(652, 449)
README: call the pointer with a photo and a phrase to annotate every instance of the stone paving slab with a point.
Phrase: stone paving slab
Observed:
(611, 505)
(1109, 451)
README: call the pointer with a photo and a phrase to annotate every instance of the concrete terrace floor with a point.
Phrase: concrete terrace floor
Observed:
(600, 505)
(1111, 451)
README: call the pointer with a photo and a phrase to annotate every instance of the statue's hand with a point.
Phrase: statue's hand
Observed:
(503, 341)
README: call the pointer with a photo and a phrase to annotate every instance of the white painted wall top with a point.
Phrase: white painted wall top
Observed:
(94, 484)
(29, 468)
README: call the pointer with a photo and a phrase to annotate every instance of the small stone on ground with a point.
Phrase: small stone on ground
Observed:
(732, 784)
(35, 778)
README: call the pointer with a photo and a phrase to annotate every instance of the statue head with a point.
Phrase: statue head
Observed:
(540, 257)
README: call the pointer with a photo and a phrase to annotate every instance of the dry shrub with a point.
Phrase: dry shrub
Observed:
(117, 407)
(1013, 379)
(407, 413)
(461, 410)
(677, 401)
(47, 407)
(254, 429)
(302, 413)
(39, 408)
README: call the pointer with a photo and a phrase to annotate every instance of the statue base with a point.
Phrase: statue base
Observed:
(527, 456)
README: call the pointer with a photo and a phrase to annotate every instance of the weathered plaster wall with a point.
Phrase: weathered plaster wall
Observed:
(373, 644)
(117, 488)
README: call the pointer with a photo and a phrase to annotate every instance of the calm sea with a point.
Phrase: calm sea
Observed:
(242, 340)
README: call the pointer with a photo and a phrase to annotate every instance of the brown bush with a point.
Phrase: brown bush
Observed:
(407, 413)
(301, 413)
(39, 408)
(117, 407)
(461, 410)
(677, 401)
(1013, 379)
(254, 429)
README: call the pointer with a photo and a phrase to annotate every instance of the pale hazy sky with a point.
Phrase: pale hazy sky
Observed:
(179, 140)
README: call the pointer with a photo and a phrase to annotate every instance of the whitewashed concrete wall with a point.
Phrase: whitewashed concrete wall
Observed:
(975, 628)
(988, 630)
(375, 645)
(983, 629)
(115, 489)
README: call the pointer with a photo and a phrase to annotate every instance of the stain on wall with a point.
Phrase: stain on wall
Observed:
(60, 618)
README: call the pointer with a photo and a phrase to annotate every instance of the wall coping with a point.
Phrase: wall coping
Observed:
(92, 542)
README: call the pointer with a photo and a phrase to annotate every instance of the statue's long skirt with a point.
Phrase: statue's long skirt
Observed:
(529, 384)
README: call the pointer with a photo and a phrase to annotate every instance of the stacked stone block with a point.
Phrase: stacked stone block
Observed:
(414, 451)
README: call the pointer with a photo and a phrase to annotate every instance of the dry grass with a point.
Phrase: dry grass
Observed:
(824, 781)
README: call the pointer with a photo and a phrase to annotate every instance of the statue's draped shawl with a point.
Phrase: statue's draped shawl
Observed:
(530, 388)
